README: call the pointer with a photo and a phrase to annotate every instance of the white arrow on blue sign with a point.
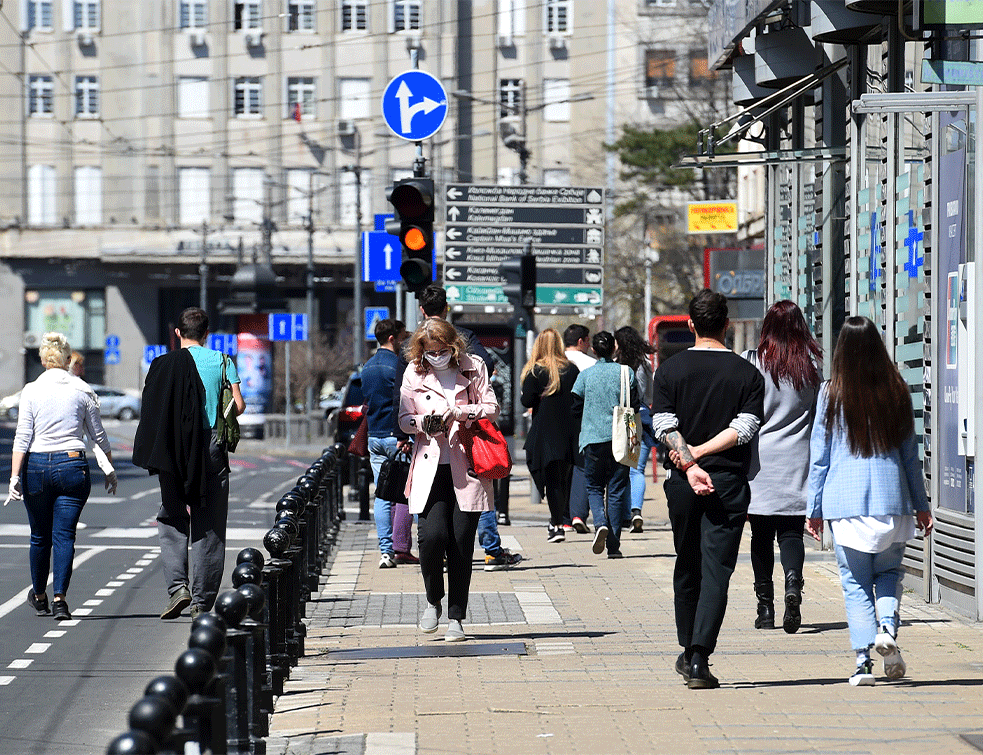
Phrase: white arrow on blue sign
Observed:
(372, 316)
(381, 255)
(414, 105)
(288, 327)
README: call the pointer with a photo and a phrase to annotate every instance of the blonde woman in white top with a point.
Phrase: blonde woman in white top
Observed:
(56, 410)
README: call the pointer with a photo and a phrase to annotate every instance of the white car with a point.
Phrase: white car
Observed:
(9, 405)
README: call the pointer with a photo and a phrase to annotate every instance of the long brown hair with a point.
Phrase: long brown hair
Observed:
(547, 352)
(867, 393)
(439, 331)
(787, 350)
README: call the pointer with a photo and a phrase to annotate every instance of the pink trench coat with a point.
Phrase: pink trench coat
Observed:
(423, 394)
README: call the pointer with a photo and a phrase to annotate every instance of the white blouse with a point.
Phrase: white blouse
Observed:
(55, 411)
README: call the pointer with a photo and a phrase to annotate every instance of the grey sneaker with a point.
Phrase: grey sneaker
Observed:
(388, 561)
(455, 632)
(179, 601)
(430, 618)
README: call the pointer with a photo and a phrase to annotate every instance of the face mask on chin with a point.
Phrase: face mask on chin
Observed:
(439, 363)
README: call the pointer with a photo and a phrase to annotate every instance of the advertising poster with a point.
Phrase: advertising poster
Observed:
(255, 364)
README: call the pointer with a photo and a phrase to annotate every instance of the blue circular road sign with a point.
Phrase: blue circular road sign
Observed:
(414, 105)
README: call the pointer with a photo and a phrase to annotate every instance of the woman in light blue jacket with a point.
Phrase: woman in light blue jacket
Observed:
(866, 481)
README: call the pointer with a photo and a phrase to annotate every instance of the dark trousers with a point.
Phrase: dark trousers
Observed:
(706, 532)
(183, 519)
(443, 529)
(765, 528)
(578, 505)
(557, 484)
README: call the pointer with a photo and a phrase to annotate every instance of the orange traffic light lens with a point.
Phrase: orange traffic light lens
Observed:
(414, 239)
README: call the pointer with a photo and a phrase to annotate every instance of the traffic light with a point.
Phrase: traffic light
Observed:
(520, 281)
(413, 206)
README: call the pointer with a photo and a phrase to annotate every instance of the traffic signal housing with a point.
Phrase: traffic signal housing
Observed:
(413, 215)
(520, 281)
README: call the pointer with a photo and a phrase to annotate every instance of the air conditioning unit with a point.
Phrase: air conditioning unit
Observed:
(557, 42)
(505, 40)
(85, 38)
(346, 128)
(197, 38)
(254, 38)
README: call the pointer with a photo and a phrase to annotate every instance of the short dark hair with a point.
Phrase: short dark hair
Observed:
(603, 344)
(433, 300)
(574, 334)
(193, 324)
(708, 311)
(386, 329)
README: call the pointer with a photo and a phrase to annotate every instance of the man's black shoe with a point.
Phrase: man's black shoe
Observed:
(700, 676)
(682, 667)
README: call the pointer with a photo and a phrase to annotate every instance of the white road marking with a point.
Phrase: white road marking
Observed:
(21, 663)
(38, 647)
(5, 680)
(19, 599)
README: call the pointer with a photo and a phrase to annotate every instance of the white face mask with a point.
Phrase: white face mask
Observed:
(441, 362)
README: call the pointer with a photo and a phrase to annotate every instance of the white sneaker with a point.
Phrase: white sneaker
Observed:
(430, 619)
(864, 675)
(388, 561)
(887, 646)
(455, 632)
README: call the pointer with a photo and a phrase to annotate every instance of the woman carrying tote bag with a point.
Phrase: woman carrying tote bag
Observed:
(444, 390)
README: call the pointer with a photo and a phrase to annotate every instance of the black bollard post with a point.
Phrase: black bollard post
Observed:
(259, 707)
(362, 489)
(231, 606)
(204, 713)
(340, 454)
(276, 543)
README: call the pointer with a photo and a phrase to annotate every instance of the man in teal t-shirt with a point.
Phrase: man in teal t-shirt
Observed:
(183, 519)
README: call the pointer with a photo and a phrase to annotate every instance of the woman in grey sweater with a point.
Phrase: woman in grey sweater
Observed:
(787, 356)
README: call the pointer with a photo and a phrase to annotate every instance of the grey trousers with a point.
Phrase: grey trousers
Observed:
(182, 520)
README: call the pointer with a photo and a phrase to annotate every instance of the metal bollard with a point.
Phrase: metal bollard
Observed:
(340, 453)
(259, 704)
(231, 605)
(362, 489)
(275, 581)
(204, 713)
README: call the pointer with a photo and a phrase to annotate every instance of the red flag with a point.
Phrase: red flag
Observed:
(297, 112)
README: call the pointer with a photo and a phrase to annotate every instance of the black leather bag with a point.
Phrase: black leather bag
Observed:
(392, 479)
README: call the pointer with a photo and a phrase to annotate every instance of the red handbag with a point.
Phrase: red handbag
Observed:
(360, 442)
(487, 449)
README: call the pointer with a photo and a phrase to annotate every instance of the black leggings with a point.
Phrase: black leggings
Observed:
(764, 529)
(443, 529)
(557, 484)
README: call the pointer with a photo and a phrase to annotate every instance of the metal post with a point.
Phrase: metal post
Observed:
(978, 267)
(286, 381)
(358, 340)
(310, 295)
(203, 268)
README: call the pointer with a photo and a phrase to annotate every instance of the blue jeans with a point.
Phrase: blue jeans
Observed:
(381, 449)
(488, 537)
(871, 589)
(56, 487)
(637, 474)
(605, 474)
(578, 494)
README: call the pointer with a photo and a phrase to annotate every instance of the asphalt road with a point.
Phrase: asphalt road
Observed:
(67, 687)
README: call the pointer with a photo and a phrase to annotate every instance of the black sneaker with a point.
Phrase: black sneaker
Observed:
(554, 534)
(864, 675)
(180, 600)
(40, 605)
(504, 560)
(60, 610)
(600, 540)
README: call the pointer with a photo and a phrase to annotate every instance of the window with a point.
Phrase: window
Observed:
(86, 14)
(354, 98)
(41, 208)
(406, 15)
(40, 97)
(300, 91)
(248, 15)
(699, 70)
(194, 195)
(354, 15)
(660, 3)
(558, 17)
(40, 15)
(86, 96)
(194, 14)
(248, 97)
(248, 193)
(192, 97)
(660, 68)
(88, 195)
(347, 209)
(510, 93)
(556, 99)
(300, 15)
(511, 18)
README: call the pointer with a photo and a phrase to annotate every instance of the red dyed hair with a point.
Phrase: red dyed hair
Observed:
(787, 350)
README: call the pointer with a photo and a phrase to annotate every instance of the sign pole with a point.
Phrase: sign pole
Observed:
(286, 413)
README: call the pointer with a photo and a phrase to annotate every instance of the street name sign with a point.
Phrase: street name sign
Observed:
(414, 105)
(489, 224)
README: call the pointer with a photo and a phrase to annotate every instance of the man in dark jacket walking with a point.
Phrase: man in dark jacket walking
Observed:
(176, 440)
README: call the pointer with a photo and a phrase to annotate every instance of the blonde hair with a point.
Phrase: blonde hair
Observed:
(54, 351)
(440, 331)
(76, 365)
(547, 352)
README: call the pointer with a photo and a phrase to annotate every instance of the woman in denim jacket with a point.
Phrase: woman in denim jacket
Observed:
(866, 481)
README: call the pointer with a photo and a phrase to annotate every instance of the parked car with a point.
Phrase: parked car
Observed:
(117, 404)
(9, 406)
(351, 411)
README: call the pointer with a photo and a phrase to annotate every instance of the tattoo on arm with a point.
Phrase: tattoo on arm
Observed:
(676, 442)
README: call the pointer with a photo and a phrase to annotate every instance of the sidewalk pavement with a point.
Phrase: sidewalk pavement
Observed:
(572, 653)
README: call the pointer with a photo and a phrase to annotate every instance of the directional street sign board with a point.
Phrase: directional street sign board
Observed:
(487, 225)
(288, 327)
(414, 105)
(381, 256)
(227, 343)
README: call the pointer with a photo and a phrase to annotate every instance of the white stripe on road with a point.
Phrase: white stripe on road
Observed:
(140, 532)
(21, 663)
(38, 647)
(19, 599)
(5, 680)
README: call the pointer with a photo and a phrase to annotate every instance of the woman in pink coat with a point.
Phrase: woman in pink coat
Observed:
(443, 389)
